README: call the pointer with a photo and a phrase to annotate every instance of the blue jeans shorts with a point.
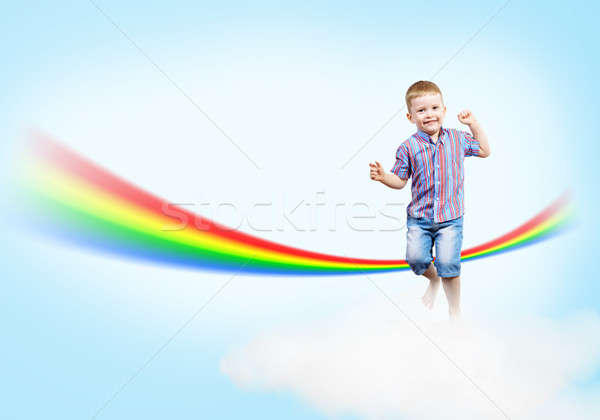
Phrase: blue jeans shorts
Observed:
(423, 234)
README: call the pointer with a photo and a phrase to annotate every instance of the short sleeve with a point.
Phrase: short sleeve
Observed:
(470, 145)
(402, 166)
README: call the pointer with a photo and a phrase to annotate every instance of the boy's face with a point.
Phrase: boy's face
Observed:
(427, 112)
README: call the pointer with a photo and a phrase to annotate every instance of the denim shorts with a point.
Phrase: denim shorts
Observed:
(423, 234)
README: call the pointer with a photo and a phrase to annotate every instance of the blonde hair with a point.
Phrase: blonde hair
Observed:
(421, 88)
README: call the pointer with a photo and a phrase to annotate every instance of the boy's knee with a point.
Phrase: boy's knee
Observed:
(418, 263)
(447, 268)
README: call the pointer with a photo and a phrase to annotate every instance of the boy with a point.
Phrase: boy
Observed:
(434, 157)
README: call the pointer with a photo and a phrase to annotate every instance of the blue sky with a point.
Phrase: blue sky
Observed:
(299, 87)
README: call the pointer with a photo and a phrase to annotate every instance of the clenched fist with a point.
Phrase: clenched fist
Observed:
(467, 117)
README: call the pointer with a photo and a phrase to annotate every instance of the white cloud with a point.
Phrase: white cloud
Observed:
(361, 364)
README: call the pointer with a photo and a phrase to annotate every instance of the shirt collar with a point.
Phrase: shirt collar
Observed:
(427, 138)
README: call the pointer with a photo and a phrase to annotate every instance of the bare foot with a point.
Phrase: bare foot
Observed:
(455, 315)
(428, 298)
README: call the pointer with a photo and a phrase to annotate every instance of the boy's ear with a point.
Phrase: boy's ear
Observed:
(409, 117)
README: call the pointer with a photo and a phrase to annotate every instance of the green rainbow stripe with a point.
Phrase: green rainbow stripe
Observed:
(75, 200)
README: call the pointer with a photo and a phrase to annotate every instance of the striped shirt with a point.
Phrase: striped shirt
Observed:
(437, 172)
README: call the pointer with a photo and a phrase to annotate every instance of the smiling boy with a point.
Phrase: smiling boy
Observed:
(434, 157)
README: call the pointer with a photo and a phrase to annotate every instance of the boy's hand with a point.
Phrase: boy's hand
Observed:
(467, 117)
(377, 172)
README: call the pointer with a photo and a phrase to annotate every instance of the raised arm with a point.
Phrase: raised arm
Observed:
(386, 178)
(467, 117)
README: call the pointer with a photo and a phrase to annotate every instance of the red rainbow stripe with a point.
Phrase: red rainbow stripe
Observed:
(76, 200)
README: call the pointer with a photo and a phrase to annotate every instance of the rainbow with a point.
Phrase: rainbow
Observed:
(75, 200)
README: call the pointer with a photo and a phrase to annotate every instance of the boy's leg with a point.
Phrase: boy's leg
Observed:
(419, 244)
(448, 244)
(428, 298)
(452, 289)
